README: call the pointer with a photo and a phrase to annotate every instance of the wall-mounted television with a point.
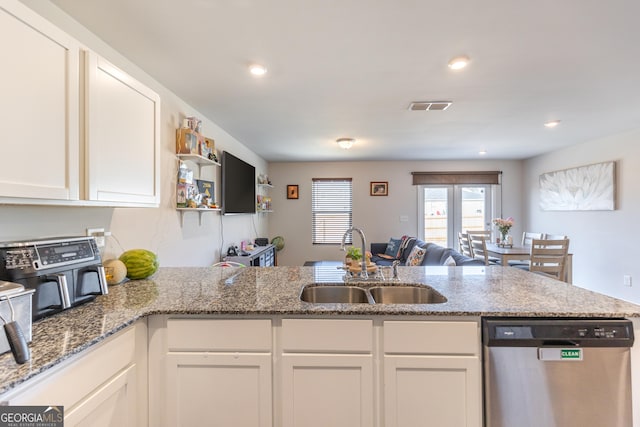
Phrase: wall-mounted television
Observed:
(238, 185)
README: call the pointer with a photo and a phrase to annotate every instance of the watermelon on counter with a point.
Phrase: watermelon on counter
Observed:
(140, 263)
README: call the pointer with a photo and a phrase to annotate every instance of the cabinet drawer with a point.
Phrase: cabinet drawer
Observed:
(319, 335)
(431, 337)
(219, 335)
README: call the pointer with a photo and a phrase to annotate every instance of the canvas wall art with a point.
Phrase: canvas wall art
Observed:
(585, 188)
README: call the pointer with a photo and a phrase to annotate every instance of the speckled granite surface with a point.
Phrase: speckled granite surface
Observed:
(471, 291)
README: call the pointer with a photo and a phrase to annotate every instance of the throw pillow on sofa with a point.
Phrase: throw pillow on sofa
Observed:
(416, 256)
(450, 262)
(393, 248)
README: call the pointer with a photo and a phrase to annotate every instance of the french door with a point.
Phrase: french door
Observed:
(444, 210)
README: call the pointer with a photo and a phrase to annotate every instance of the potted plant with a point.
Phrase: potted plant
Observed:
(353, 254)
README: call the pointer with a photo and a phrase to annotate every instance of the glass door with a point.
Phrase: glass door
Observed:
(446, 210)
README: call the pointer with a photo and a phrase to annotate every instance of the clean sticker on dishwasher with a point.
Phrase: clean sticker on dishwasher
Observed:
(560, 354)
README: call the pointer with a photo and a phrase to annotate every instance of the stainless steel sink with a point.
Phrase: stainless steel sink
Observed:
(406, 295)
(336, 294)
(391, 294)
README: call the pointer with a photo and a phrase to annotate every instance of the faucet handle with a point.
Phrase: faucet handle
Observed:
(395, 265)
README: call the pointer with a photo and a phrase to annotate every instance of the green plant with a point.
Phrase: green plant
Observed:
(354, 253)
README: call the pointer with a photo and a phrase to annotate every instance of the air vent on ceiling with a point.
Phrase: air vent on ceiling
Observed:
(429, 105)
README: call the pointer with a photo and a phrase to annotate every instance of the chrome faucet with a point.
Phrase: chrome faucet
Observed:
(363, 272)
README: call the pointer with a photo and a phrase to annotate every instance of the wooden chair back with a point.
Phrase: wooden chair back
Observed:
(549, 257)
(528, 236)
(478, 244)
(554, 236)
(464, 244)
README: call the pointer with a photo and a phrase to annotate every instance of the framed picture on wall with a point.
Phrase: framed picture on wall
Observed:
(379, 188)
(292, 191)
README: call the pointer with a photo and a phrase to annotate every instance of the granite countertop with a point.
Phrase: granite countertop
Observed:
(471, 291)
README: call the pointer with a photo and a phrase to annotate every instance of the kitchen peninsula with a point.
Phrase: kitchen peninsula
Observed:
(199, 317)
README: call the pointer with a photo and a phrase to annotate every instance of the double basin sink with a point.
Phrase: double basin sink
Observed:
(378, 294)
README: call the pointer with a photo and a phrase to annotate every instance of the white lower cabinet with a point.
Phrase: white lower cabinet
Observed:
(314, 372)
(327, 390)
(218, 390)
(104, 386)
(432, 374)
(211, 372)
(327, 373)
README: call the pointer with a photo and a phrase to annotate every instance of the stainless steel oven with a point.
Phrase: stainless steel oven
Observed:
(64, 272)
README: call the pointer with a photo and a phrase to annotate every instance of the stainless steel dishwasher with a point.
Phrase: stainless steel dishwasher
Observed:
(557, 372)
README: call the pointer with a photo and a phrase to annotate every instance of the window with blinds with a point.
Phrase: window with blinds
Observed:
(331, 208)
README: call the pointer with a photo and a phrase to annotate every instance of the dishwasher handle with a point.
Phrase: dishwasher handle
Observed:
(560, 343)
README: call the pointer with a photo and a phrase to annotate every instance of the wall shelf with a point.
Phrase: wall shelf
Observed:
(199, 210)
(198, 160)
(263, 201)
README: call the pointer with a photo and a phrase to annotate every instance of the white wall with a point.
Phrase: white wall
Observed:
(155, 229)
(603, 242)
(378, 216)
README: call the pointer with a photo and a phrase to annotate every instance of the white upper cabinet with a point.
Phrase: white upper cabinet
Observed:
(122, 136)
(60, 148)
(39, 107)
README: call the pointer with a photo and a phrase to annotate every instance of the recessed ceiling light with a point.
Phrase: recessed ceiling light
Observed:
(459, 62)
(552, 123)
(257, 70)
(345, 143)
(482, 152)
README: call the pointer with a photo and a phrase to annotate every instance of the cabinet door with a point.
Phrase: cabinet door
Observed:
(438, 391)
(39, 104)
(122, 136)
(218, 389)
(112, 405)
(327, 390)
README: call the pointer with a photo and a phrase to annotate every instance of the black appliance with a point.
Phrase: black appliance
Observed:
(64, 272)
(261, 241)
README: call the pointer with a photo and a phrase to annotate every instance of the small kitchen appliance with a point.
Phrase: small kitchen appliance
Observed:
(64, 272)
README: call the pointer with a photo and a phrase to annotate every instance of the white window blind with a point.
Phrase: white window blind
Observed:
(331, 207)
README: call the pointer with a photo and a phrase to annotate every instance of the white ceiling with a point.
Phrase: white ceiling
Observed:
(350, 68)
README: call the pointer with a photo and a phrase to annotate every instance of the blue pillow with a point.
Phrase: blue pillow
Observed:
(393, 248)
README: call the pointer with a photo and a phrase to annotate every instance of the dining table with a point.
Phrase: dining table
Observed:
(518, 252)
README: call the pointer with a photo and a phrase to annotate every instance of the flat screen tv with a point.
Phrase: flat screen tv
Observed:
(238, 185)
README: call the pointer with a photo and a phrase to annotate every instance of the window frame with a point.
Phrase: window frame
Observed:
(320, 207)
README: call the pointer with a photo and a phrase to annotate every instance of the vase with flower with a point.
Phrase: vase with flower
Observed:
(504, 225)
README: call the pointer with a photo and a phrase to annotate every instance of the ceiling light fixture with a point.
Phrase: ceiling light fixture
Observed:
(345, 143)
(459, 62)
(552, 123)
(257, 70)
(482, 152)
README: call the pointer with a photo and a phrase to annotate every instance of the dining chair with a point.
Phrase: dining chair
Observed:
(464, 244)
(527, 238)
(547, 236)
(478, 244)
(549, 257)
(485, 233)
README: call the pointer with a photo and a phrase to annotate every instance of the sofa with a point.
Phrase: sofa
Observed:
(432, 254)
